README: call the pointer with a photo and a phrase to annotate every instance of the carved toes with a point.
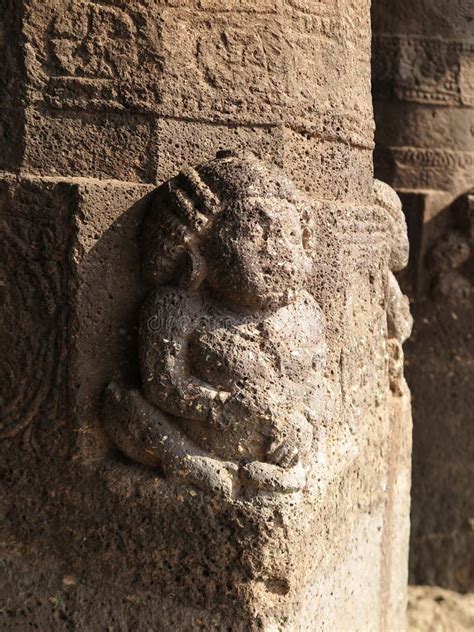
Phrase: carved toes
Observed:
(209, 474)
(268, 477)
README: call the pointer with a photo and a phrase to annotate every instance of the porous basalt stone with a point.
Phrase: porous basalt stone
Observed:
(423, 101)
(197, 557)
(232, 346)
(117, 97)
(102, 80)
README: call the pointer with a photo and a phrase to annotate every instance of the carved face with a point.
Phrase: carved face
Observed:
(235, 224)
(255, 253)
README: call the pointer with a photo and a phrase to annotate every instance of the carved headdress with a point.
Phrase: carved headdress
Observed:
(183, 210)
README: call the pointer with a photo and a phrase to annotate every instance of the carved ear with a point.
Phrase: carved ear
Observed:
(194, 269)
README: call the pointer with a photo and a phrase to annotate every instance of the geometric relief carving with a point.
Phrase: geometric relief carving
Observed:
(101, 55)
(33, 282)
(433, 158)
(422, 70)
(113, 57)
(94, 41)
(428, 168)
(231, 344)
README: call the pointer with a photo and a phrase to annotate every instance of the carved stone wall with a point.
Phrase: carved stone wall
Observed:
(423, 85)
(103, 102)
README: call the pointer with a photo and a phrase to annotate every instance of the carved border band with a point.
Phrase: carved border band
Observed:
(423, 70)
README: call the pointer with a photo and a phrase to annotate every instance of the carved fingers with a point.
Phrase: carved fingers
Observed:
(209, 474)
(282, 453)
(291, 442)
(145, 434)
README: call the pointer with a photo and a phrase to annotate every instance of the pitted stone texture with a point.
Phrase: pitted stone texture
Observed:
(45, 231)
(232, 347)
(107, 79)
(442, 501)
(198, 560)
(91, 537)
(422, 85)
(105, 289)
(419, 151)
(34, 277)
(12, 85)
(106, 145)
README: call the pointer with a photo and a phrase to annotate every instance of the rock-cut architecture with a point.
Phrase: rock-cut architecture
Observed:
(423, 83)
(204, 420)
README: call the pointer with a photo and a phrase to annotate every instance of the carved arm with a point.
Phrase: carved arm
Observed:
(168, 319)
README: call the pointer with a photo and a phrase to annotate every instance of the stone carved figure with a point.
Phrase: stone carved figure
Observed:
(399, 318)
(231, 345)
(450, 261)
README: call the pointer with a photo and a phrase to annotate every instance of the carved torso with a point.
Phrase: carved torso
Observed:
(265, 361)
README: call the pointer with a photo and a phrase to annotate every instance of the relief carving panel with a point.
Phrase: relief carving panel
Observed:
(33, 285)
(232, 341)
(232, 345)
(422, 70)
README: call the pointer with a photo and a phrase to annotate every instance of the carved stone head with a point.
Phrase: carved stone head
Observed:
(236, 225)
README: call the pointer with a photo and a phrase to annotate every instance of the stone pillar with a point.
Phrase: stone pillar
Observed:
(104, 100)
(423, 85)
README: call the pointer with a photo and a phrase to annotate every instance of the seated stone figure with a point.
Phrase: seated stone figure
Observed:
(231, 345)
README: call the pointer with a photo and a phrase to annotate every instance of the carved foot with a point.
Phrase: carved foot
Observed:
(145, 434)
(209, 474)
(272, 478)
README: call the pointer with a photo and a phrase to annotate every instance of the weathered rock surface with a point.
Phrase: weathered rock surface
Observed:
(112, 99)
(423, 69)
(185, 555)
(433, 609)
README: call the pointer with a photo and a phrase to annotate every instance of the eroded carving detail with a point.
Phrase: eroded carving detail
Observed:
(399, 319)
(33, 280)
(438, 168)
(110, 57)
(433, 158)
(423, 70)
(101, 55)
(232, 346)
(450, 260)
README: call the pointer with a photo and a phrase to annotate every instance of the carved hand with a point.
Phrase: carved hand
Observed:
(292, 441)
(168, 319)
